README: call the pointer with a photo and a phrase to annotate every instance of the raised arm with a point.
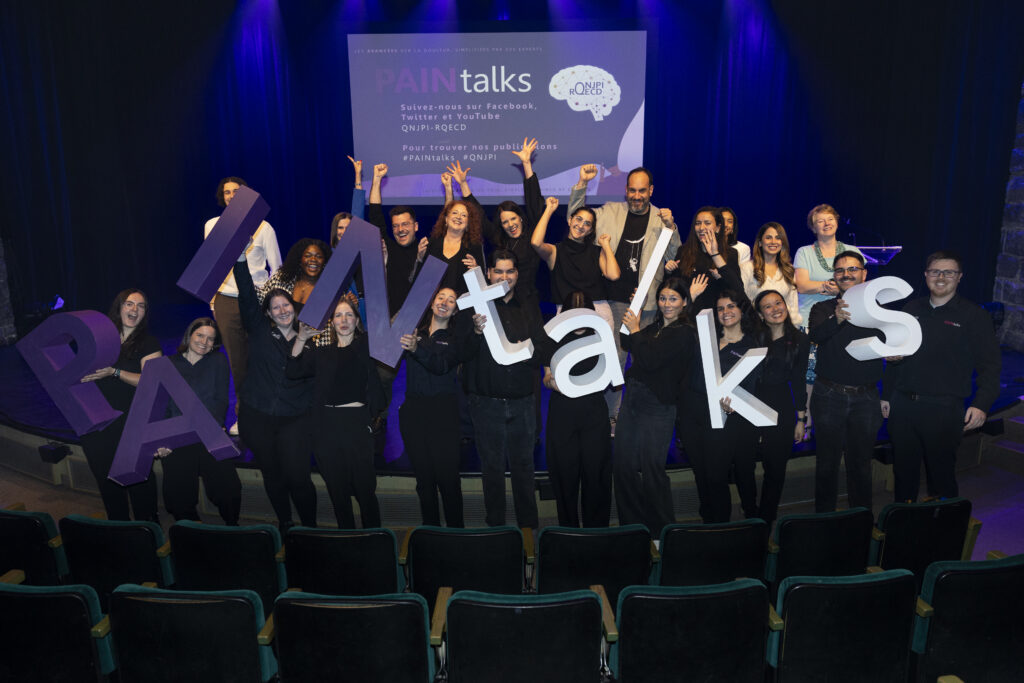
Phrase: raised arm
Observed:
(446, 181)
(461, 177)
(379, 171)
(579, 191)
(525, 156)
(609, 264)
(547, 252)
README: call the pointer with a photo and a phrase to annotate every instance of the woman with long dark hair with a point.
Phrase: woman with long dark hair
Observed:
(771, 269)
(706, 257)
(713, 452)
(783, 389)
(275, 415)
(130, 314)
(662, 354)
(429, 416)
(347, 393)
(206, 372)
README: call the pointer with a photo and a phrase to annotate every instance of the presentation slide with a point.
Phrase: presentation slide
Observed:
(423, 101)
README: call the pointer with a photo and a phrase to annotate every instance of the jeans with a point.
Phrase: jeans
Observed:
(643, 434)
(844, 422)
(506, 430)
(613, 395)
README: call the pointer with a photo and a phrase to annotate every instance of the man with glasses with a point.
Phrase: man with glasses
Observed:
(927, 390)
(845, 401)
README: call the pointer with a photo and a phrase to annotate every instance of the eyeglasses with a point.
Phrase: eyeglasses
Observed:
(852, 270)
(932, 272)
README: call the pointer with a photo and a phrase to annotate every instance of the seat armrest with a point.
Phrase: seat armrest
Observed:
(950, 678)
(14, 576)
(873, 569)
(266, 634)
(923, 609)
(437, 621)
(164, 550)
(528, 545)
(973, 527)
(995, 555)
(101, 629)
(149, 584)
(775, 622)
(98, 515)
(55, 542)
(655, 555)
(773, 547)
(403, 551)
(279, 555)
(611, 632)
(877, 534)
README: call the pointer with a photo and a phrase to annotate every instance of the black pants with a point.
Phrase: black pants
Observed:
(930, 429)
(281, 446)
(579, 456)
(344, 454)
(99, 450)
(776, 448)
(713, 453)
(430, 432)
(182, 469)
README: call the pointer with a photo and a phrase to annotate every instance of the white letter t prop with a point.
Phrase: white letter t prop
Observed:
(601, 344)
(480, 298)
(742, 401)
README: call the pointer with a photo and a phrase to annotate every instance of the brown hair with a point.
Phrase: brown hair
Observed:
(785, 263)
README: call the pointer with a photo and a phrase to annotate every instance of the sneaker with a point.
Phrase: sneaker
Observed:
(233, 431)
(611, 426)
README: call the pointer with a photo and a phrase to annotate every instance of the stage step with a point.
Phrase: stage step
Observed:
(1013, 428)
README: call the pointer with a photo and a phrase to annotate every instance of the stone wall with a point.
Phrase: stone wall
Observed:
(1009, 286)
(7, 331)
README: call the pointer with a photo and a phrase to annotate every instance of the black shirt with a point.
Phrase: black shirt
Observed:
(662, 356)
(835, 363)
(577, 267)
(432, 369)
(957, 339)
(484, 376)
(208, 378)
(783, 383)
(628, 254)
(401, 267)
(326, 364)
(453, 275)
(526, 256)
(119, 394)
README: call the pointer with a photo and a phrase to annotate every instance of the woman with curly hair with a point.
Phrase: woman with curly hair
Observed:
(300, 271)
(771, 269)
(706, 257)
(457, 240)
(130, 314)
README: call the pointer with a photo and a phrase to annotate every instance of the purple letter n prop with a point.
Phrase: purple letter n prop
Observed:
(47, 351)
(217, 255)
(146, 429)
(362, 240)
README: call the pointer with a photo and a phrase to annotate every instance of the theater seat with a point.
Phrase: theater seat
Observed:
(820, 544)
(29, 541)
(343, 561)
(702, 554)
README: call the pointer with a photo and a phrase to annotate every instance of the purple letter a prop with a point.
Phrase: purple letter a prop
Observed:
(47, 351)
(146, 429)
(362, 240)
(217, 255)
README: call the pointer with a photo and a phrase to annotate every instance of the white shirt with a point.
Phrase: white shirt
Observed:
(262, 252)
(776, 282)
(743, 251)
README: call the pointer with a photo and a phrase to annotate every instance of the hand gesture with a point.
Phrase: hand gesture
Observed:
(526, 152)
(726, 404)
(306, 332)
(446, 180)
(469, 262)
(379, 171)
(604, 240)
(885, 409)
(408, 342)
(479, 322)
(666, 217)
(588, 172)
(550, 204)
(842, 311)
(99, 374)
(631, 321)
(421, 248)
(161, 452)
(829, 287)
(457, 172)
(708, 242)
(670, 266)
(697, 285)
(358, 166)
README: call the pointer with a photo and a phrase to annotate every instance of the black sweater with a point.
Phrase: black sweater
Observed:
(662, 357)
(401, 267)
(484, 376)
(832, 336)
(208, 378)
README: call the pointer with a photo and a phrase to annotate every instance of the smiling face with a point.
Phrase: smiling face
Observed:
(704, 224)
(844, 276)
(504, 270)
(403, 227)
(202, 340)
(340, 228)
(824, 224)
(511, 223)
(942, 277)
(312, 262)
(457, 219)
(443, 306)
(771, 242)
(671, 304)
(281, 312)
(345, 321)
(773, 309)
(228, 192)
(729, 222)
(729, 313)
(638, 192)
(581, 224)
(133, 310)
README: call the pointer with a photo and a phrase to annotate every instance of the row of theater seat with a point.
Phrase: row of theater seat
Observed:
(324, 562)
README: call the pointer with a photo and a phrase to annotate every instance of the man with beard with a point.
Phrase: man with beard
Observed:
(845, 402)
(402, 258)
(634, 226)
(928, 389)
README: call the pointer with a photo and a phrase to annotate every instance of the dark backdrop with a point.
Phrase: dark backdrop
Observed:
(119, 118)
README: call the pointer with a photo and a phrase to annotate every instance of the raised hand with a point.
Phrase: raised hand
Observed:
(469, 262)
(550, 204)
(697, 285)
(379, 171)
(588, 172)
(446, 180)
(306, 332)
(708, 241)
(457, 172)
(526, 153)
(358, 166)
(421, 248)
(631, 321)
(604, 240)
(666, 217)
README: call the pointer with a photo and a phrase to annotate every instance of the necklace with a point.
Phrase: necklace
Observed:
(827, 267)
(634, 253)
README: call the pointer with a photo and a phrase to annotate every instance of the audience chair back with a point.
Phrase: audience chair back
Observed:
(573, 559)
(489, 559)
(343, 561)
(166, 636)
(913, 535)
(821, 544)
(209, 557)
(692, 633)
(29, 542)
(844, 628)
(537, 638)
(970, 624)
(331, 638)
(105, 554)
(53, 633)
(702, 554)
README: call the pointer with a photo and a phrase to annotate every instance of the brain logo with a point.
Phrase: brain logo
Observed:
(586, 88)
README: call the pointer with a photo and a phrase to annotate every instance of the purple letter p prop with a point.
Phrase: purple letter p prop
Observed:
(146, 430)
